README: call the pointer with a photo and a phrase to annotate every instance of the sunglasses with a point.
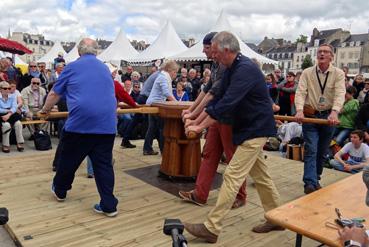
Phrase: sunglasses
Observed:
(33, 66)
(6, 88)
(35, 83)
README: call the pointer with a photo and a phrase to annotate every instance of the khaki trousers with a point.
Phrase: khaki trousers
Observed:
(6, 128)
(248, 159)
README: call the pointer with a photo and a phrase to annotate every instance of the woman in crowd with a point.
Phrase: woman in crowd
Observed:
(4, 65)
(358, 84)
(286, 97)
(179, 93)
(272, 86)
(9, 118)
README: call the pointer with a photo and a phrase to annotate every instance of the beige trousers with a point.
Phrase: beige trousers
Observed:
(5, 128)
(248, 159)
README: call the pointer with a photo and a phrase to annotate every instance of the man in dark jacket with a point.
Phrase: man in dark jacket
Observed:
(244, 97)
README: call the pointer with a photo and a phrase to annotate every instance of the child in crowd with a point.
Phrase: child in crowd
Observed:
(357, 151)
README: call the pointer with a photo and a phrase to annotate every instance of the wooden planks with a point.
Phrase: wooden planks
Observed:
(25, 189)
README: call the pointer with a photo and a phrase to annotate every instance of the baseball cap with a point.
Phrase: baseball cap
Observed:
(207, 39)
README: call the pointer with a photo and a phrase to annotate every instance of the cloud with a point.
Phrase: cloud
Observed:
(143, 19)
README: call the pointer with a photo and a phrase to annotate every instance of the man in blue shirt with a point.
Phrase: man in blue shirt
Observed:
(91, 125)
(244, 98)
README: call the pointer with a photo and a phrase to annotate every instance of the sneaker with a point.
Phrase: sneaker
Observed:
(98, 210)
(152, 152)
(59, 199)
(127, 144)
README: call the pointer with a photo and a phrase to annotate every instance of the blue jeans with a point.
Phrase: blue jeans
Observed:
(90, 169)
(338, 166)
(341, 135)
(317, 139)
(124, 121)
(154, 130)
(127, 135)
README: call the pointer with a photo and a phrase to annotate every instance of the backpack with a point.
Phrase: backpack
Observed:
(42, 140)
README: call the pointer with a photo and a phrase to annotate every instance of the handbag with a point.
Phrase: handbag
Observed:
(42, 140)
(309, 111)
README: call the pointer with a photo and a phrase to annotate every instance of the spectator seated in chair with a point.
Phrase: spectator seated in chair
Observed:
(358, 154)
(33, 100)
(9, 118)
(347, 116)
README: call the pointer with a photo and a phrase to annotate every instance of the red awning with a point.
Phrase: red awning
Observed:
(13, 47)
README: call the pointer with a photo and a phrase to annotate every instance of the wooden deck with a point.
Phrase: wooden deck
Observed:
(36, 219)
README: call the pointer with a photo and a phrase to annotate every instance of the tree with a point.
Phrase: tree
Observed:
(307, 62)
(302, 39)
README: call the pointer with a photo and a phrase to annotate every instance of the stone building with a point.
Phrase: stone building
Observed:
(35, 42)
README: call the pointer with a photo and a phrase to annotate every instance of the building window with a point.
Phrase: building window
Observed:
(289, 64)
(286, 55)
(275, 56)
(280, 55)
(298, 59)
(314, 52)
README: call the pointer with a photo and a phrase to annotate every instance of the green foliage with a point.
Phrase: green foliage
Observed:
(302, 39)
(307, 62)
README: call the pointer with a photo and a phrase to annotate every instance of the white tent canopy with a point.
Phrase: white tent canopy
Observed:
(166, 44)
(72, 54)
(120, 49)
(52, 53)
(195, 53)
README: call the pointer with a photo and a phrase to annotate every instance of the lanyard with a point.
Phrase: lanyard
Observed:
(322, 87)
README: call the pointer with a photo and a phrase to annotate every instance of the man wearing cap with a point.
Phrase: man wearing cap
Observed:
(218, 137)
(59, 59)
(91, 125)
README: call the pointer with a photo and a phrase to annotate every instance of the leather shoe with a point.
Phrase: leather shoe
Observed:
(189, 196)
(267, 227)
(152, 152)
(127, 144)
(309, 189)
(200, 231)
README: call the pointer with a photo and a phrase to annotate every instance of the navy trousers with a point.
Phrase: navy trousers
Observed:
(74, 147)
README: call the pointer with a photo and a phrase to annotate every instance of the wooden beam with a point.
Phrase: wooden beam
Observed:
(142, 110)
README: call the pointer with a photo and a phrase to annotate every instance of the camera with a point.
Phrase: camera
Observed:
(4, 216)
(349, 223)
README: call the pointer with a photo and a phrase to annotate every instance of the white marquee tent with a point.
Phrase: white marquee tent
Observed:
(195, 53)
(166, 44)
(52, 53)
(72, 54)
(120, 49)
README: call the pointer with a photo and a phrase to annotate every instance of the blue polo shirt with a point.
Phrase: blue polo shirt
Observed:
(89, 90)
(244, 98)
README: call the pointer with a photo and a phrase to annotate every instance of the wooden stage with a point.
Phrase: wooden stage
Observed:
(36, 219)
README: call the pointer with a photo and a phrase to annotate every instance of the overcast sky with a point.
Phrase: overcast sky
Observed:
(143, 19)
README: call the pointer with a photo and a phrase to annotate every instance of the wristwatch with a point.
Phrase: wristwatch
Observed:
(349, 243)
